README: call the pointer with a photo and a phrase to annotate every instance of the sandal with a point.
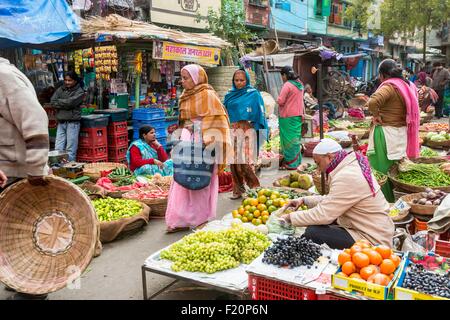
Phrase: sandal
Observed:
(170, 230)
(236, 196)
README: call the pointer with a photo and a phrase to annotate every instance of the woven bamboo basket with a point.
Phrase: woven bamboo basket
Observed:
(94, 190)
(47, 234)
(360, 133)
(437, 145)
(409, 188)
(93, 170)
(432, 160)
(158, 206)
(382, 181)
(317, 178)
(426, 210)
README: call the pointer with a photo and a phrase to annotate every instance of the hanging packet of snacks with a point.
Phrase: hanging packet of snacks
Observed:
(105, 61)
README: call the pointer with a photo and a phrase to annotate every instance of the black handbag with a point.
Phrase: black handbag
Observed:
(193, 165)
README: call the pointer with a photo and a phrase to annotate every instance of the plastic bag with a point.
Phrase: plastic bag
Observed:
(414, 243)
(275, 224)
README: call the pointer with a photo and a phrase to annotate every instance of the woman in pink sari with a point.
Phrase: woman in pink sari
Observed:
(200, 108)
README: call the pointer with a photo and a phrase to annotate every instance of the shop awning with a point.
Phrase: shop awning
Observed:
(115, 27)
(36, 22)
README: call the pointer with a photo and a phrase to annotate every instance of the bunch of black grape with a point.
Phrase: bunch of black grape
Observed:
(292, 252)
(418, 279)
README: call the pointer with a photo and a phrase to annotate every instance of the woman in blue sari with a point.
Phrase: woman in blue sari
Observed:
(246, 111)
(146, 156)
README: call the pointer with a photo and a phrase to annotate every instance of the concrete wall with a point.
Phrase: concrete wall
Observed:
(293, 21)
(181, 12)
(316, 24)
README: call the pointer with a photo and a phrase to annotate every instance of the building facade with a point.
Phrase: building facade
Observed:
(257, 14)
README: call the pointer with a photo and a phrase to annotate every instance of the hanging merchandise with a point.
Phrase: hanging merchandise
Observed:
(78, 61)
(138, 62)
(105, 61)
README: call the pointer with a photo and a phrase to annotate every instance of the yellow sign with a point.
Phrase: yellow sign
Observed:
(183, 52)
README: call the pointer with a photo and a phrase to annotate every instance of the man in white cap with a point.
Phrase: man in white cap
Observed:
(355, 202)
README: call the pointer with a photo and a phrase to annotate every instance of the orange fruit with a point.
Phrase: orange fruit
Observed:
(367, 272)
(241, 211)
(362, 244)
(377, 268)
(355, 276)
(375, 257)
(380, 279)
(391, 276)
(348, 268)
(265, 213)
(384, 251)
(261, 207)
(264, 219)
(347, 251)
(387, 266)
(396, 259)
(344, 257)
(360, 259)
(256, 213)
(262, 199)
(254, 202)
(247, 207)
(355, 248)
(341, 274)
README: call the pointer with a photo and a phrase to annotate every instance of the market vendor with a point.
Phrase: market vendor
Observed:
(146, 156)
(355, 202)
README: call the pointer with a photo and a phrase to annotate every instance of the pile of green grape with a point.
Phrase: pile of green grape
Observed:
(212, 251)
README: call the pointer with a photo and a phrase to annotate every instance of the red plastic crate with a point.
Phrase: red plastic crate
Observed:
(120, 140)
(119, 160)
(92, 137)
(117, 152)
(91, 160)
(330, 296)
(116, 128)
(268, 289)
(443, 245)
(93, 152)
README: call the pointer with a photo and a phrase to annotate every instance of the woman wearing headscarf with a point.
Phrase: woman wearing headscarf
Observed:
(360, 213)
(395, 130)
(427, 96)
(245, 107)
(204, 119)
(291, 110)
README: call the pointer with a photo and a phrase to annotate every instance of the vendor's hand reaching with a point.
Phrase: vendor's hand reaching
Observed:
(37, 180)
(294, 204)
(377, 120)
(159, 164)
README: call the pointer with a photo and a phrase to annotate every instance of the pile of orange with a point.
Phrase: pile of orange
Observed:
(367, 263)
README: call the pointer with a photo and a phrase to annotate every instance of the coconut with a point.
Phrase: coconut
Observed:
(305, 181)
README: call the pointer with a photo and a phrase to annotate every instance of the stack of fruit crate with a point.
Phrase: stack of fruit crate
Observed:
(92, 142)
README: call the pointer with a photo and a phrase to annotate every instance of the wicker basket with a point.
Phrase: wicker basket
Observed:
(95, 190)
(317, 178)
(437, 145)
(93, 170)
(360, 133)
(47, 233)
(158, 206)
(432, 160)
(409, 188)
(426, 210)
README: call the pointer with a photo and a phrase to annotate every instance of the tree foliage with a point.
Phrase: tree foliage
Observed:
(229, 24)
(359, 13)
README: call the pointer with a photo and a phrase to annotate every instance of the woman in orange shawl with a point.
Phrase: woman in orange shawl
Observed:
(200, 112)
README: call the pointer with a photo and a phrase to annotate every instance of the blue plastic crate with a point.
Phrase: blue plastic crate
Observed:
(148, 114)
(154, 124)
(160, 133)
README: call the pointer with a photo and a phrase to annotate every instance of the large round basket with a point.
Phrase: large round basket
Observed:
(409, 188)
(360, 133)
(92, 190)
(158, 206)
(93, 170)
(47, 235)
(437, 145)
(381, 180)
(426, 210)
(431, 160)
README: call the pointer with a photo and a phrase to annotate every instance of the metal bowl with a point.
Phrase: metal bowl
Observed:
(55, 157)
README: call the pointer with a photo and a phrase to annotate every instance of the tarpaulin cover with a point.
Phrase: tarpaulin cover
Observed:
(36, 22)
